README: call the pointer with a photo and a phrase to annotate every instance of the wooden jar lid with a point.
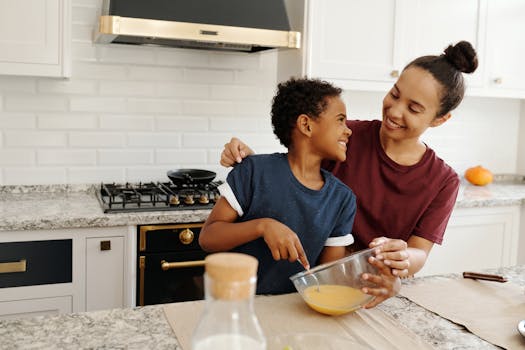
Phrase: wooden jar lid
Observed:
(231, 275)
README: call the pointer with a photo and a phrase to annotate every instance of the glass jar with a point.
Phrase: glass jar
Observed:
(228, 320)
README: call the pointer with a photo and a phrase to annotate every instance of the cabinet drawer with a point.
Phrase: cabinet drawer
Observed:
(35, 262)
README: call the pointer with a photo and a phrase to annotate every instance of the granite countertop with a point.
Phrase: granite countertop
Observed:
(72, 206)
(147, 328)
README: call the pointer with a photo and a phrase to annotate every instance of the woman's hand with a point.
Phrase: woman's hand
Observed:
(234, 152)
(388, 285)
(393, 253)
(283, 242)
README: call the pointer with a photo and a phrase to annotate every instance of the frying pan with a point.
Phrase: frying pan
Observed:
(190, 176)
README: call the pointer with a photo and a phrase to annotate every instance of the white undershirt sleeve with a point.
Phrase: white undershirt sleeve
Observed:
(226, 191)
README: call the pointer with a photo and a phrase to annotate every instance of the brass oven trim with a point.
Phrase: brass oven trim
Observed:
(152, 228)
(142, 268)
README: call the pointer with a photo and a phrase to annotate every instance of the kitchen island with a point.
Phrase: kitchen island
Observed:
(147, 328)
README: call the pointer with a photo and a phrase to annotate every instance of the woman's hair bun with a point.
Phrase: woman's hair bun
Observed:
(462, 56)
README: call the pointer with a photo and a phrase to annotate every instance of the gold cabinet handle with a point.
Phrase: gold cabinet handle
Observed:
(394, 73)
(165, 265)
(16, 266)
(498, 80)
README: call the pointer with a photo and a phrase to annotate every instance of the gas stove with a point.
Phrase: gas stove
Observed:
(157, 196)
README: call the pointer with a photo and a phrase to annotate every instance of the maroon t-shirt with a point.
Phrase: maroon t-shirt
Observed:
(393, 200)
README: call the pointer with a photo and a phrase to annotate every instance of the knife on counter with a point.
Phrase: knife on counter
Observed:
(484, 276)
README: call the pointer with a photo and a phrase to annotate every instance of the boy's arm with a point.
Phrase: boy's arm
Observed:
(221, 233)
(329, 254)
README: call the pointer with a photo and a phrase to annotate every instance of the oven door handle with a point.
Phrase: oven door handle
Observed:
(165, 265)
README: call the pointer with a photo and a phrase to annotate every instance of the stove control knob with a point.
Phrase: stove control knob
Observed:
(186, 236)
(204, 199)
(189, 199)
(174, 200)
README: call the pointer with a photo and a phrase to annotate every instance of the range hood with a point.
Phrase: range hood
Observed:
(233, 25)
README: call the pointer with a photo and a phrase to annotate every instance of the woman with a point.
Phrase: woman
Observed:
(405, 193)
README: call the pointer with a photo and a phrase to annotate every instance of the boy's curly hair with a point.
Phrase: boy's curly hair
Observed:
(295, 97)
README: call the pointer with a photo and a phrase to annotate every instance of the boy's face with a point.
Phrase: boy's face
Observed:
(329, 131)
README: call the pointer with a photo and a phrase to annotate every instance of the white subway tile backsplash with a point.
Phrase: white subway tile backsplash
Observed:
(82, 33)
(186, 156)
(126, 122)
(65, 121)
(205, 140)
(152, 73)
(97, 139)
(103, 72)
(17, 84)
(35, 103)
(125, 157)
(17, 157)
(235, 92)
(209, 76)
(181, 124)
(34, 175)
(22, 138)
(121, 53)
(66, 157)
(152, 105)
(152, 173)
(154, 140)
(205, 107)
(253, 108)
(127, 88)
(95, 174)
(85, 87)
(84, 52)
(232, 124)
(17, 120)
(84, 15)
(182, 57)
(235, 60)
(97, 104)
(167, 89)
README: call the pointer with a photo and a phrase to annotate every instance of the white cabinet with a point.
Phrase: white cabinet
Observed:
(97, 274)
(364, 44)
(104, 273)
(35, 37)
(476, 239)
(357, 44)
(505, 73)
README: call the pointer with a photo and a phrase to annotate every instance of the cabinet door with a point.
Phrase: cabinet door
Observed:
(104, 273)
(506, 47)
(35, 307)
(358, 42)
(34, 37)
(476, 239)
(435, 24)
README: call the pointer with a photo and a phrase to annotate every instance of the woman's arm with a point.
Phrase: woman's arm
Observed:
(332, 253)
(221, 233)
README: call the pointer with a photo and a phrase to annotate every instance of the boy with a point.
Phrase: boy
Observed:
(282, 207)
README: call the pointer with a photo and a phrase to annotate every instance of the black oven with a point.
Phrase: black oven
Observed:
(170, 264)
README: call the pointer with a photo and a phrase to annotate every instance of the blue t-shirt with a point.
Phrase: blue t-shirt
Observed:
(263, 186)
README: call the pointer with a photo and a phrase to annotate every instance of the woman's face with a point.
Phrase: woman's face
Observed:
(411, 106)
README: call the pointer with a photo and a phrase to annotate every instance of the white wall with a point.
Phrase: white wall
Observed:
(132, 113)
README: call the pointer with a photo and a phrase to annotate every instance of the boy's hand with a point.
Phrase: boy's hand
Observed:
(284, 243)
(234, 151)
(388, 285)
(393, 253)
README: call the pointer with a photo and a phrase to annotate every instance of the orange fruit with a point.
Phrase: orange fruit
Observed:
(478, 176)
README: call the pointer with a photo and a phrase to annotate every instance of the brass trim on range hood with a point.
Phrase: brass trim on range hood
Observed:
(183, 34)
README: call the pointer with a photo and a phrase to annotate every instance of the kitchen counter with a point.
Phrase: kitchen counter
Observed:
(147, 328)
(70, 206)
